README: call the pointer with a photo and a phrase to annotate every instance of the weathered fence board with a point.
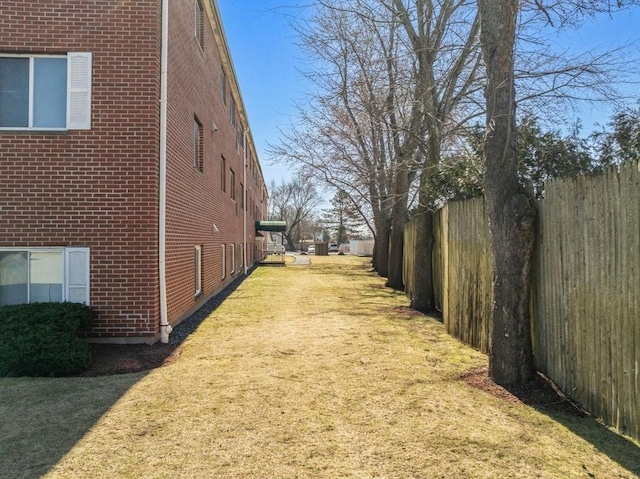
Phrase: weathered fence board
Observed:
(408, 257)
(585, 299)
(468, 283)
(586, 289)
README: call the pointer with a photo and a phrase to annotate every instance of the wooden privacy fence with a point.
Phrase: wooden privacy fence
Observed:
(585, 298)
(586, 292)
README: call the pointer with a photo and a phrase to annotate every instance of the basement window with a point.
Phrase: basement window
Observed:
(44, 275)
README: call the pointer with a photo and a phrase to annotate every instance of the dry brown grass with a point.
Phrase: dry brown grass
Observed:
(309, 372)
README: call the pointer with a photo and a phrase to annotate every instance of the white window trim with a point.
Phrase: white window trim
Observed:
(78, 91)
(197, 250)
(82, 270)
(233, 258)
(199, 18)
(72, 280)
(198, 145)
(224, 261)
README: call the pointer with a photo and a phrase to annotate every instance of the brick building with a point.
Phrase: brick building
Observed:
(128, 176)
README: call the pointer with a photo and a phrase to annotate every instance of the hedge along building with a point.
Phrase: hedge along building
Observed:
(129, 179)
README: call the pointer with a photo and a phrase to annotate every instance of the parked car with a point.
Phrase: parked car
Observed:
(333, 247)
(311, 249)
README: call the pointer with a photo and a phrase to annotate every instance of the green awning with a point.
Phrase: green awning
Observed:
(273, 226)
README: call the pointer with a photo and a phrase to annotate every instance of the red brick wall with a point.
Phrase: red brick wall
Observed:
(195, 200)
(99, 188)
(95, 188)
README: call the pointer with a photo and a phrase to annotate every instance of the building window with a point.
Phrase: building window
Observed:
(224, 261)
(198, 154)
(240, 139)
(232, 113)
(232, 184)
(45, 92)
(197, 269)
(223, 86)
(42, 275)
(241, 196)
(233, 258)
(199, 24)
(223, 174)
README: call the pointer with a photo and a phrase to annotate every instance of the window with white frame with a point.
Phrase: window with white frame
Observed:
(223, 174)
(240, 139)
(199, 23)
(197, 267)
(233, 258)
(232, 184)
(198, 153)
(232, 113)
(224, 261)
(223, 86)
(42, 275)
(45, 92)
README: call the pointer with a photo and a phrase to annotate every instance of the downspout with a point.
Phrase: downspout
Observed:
(165, 327)
(244, 202)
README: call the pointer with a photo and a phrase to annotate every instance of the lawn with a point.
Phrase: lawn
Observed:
(314, 371)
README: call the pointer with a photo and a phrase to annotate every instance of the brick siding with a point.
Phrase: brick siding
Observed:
(99, 187)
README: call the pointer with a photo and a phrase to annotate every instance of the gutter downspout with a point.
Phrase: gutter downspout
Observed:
(165, 327)
(244, 203)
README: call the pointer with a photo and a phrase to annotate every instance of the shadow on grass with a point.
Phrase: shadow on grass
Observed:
(44, 418)
(616, 447)
(542, 395)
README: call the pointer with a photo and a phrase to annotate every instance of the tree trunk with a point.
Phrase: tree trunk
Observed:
(396, 246)
(510, 213)
(381, 247)
(423, 295)
(398, 219)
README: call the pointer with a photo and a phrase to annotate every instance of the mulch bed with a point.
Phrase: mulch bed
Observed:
(111, 359)
(540, 393)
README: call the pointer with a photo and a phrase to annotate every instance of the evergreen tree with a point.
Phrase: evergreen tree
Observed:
(342, 220)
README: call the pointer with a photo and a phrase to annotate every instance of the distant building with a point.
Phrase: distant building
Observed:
(129, 180)
(361, 247)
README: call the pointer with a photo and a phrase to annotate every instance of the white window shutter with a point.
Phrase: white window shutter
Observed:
(77, 275)
(79, 91)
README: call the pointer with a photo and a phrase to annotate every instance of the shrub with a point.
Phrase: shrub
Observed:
(40, 339)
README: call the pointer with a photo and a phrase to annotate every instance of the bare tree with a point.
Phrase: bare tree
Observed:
(344, 137)
(394, 84)
(397, 81)
(444, 42)
(292, 202)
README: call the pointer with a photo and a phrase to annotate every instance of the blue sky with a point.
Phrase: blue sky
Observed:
(266, 58)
